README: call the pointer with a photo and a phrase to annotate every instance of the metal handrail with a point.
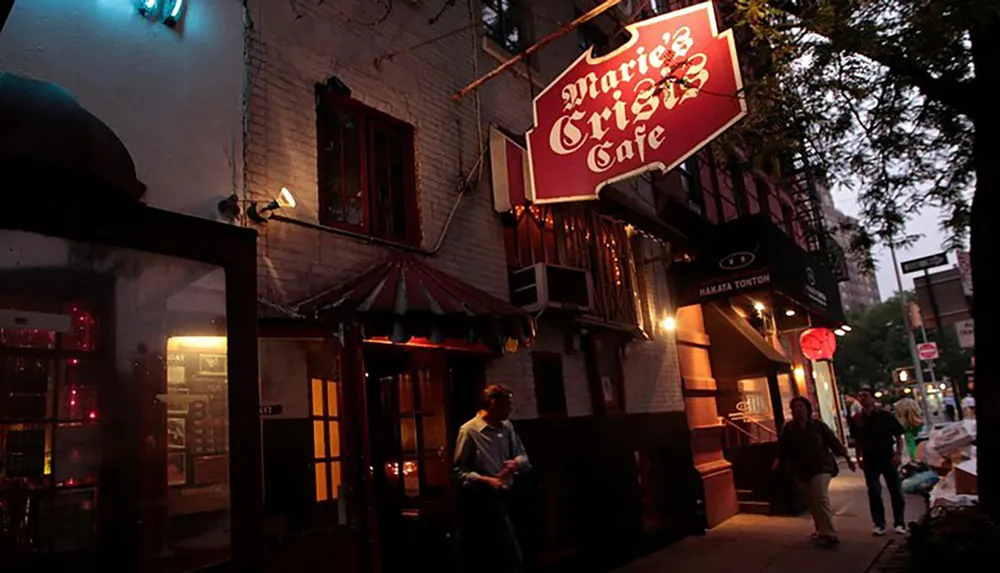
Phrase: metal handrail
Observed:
(733, 425)
(756, 423)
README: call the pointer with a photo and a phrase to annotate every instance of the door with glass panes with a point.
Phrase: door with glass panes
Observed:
(410, 457)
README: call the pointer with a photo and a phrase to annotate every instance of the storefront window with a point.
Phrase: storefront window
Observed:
(752, 409)
(826, 396)
(114, 417)
(326, 438)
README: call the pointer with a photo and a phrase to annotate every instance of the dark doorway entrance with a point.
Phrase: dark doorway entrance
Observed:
(410, 456)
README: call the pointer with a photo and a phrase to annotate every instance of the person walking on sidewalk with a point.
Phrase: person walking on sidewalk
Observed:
(878, 437)
(809, 446)
(488, 454)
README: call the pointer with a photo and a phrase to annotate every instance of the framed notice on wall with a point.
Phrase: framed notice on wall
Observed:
(212, 365)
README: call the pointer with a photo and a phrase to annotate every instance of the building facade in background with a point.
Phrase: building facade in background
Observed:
(860, 290)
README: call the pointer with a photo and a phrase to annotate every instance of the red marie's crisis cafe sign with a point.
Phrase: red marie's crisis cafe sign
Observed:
(650, 104)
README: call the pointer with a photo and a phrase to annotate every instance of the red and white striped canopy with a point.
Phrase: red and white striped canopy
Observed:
(404, 297)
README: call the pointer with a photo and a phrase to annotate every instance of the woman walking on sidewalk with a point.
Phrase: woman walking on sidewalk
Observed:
(809, 446)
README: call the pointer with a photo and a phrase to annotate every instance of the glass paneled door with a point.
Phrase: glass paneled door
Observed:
(410, 456)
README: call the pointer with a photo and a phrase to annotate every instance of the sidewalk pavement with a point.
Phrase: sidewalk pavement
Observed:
(767, 544)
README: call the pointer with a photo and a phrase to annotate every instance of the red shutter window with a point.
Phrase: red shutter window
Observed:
(367, 180)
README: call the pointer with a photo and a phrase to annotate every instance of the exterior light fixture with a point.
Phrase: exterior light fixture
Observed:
(907, 391)
(173, 11)
(839, 332)
(167, 11)
(846, 328)
(943, 386)
(229, 207)
(261, 212)
(668, 324)
(799, 373)
(790, 312)
(759, 306)
(878, 394)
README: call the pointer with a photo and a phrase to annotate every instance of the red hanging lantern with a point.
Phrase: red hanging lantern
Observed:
(818, 343)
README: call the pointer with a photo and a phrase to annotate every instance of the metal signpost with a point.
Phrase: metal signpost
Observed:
(925, 264)
(918, 368)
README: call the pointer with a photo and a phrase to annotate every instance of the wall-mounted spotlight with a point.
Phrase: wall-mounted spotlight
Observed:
(261, 212)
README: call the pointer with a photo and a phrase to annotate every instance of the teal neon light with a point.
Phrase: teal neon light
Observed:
(168, 11)
(176, 11)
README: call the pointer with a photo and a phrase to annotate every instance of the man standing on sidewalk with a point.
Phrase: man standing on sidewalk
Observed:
(878, 438)
(488, 454)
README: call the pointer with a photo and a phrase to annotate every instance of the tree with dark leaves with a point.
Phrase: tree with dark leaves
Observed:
(897, 101)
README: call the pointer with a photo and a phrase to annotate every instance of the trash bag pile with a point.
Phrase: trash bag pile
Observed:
(950, 455)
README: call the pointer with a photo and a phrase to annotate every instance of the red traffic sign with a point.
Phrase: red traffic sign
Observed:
(927, 350)
(671, 89)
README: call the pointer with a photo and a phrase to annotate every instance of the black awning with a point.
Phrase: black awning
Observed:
(751, 255)
(746, 351)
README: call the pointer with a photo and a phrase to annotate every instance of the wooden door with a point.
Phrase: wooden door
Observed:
(410, 457)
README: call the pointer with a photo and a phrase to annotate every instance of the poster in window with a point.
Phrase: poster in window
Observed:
(176, 368)
(212, 365)
(176, 468)
(176, 433)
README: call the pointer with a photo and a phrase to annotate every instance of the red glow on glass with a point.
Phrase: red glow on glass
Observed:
(93, 415)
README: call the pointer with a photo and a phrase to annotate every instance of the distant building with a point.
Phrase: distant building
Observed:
(861, 289)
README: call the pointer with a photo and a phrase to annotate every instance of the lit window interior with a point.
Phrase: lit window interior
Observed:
(325, 398)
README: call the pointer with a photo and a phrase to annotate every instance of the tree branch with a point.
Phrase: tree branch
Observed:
(843, 38)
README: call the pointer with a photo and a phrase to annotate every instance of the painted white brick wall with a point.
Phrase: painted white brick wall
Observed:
(172, 95)
(294, 45)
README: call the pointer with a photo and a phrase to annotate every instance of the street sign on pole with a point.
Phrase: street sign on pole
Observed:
(966, 333)
(965, 270)
(927, 351)
(924, 263)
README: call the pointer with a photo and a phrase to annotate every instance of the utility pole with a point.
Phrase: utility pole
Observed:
(918, 369)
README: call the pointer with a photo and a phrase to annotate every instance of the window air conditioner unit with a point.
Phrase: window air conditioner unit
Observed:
(543, 286)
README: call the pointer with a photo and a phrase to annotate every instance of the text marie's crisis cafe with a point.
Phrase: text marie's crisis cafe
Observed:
(650, 104)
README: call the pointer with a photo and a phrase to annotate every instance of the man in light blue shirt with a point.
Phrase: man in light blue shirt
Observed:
(488, 454)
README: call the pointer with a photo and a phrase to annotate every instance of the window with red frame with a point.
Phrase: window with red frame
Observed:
(690, 172)
(366, 171)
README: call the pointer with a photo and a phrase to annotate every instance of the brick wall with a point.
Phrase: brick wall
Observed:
(295, 45)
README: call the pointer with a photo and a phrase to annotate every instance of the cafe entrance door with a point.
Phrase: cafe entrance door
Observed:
(410, 453)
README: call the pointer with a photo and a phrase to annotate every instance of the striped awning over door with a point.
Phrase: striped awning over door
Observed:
(404, 297)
